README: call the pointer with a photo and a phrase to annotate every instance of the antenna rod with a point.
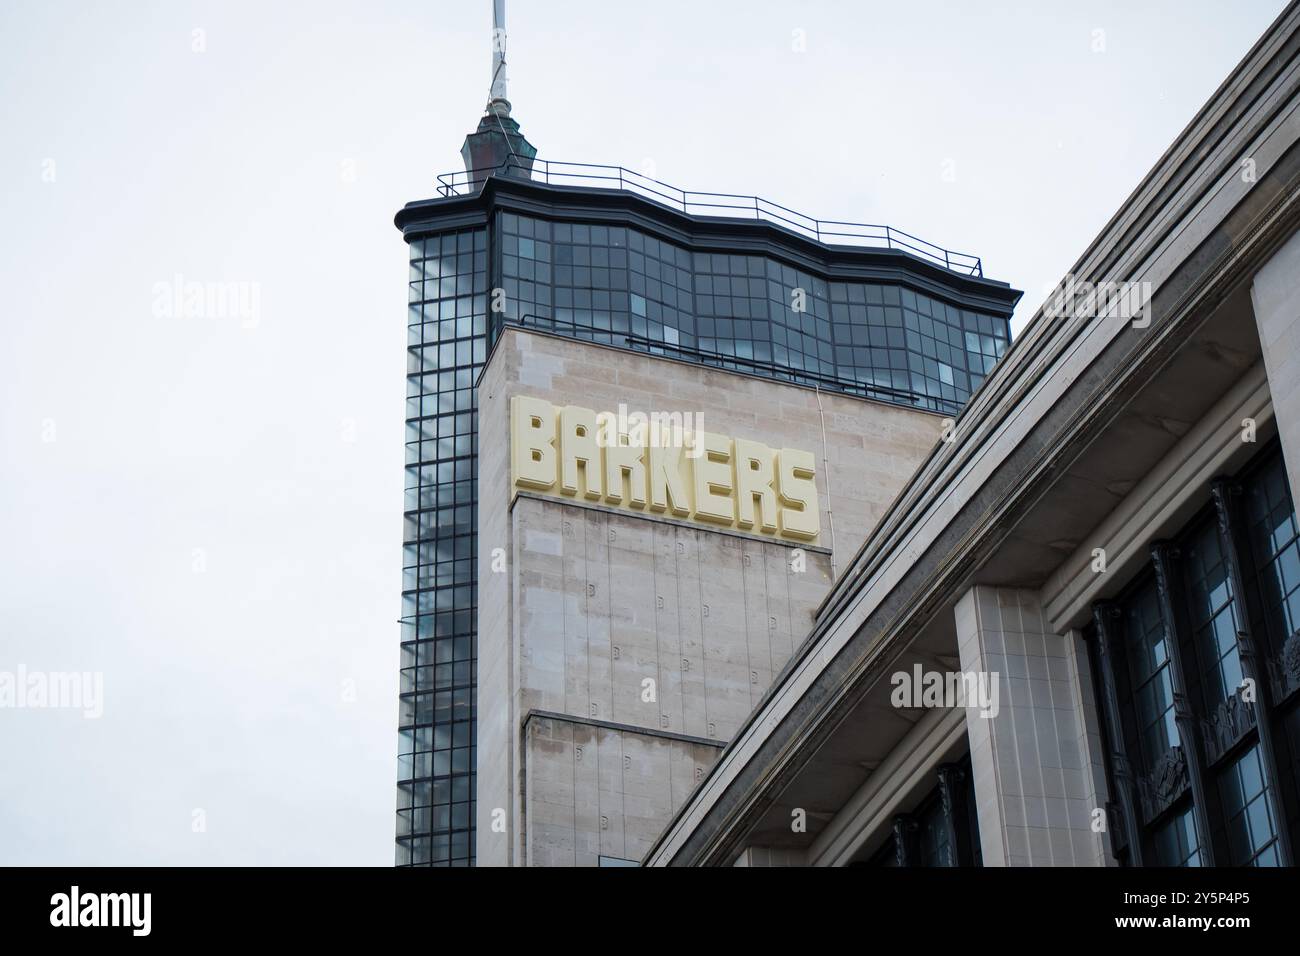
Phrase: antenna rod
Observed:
(497, 147)
(498, 102)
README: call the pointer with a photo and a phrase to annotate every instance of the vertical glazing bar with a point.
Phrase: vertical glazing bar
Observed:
(1164, 555)
(1104, 616)
(952, 798)
(905, 840)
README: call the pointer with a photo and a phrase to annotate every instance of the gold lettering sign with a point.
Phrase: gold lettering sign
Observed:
(573, 453)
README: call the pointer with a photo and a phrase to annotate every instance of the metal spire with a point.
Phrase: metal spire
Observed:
(497, 147)
(498, 103)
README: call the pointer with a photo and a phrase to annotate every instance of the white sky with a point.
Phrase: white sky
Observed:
(200, 528)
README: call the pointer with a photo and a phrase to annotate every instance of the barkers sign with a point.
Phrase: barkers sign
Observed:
(651, 464)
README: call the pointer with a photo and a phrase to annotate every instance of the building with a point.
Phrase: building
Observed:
(1110, 536)
(734, 537)
(647, 429)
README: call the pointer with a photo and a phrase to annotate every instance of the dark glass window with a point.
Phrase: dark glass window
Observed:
(447, 345)
(927, 834)
(620, 286)
(1271, 520)
(1202, 609)
(1176, 841)
(1252, 831)
(1151, 700)
(1212, 614)
(1274, 563)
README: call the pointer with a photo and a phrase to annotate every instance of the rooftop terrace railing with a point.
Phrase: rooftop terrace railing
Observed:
(831, 232)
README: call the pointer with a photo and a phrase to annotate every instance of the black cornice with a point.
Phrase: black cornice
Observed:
(705, 234)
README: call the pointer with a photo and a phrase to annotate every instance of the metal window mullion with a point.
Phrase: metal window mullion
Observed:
(1226, 494)
(1104, 614)
(1164, 556)
(952, 798)
(905, 848)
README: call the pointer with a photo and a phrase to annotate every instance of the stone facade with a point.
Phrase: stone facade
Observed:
(619, 652)
(1040, 780)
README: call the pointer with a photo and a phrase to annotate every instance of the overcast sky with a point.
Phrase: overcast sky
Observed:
(206, 508)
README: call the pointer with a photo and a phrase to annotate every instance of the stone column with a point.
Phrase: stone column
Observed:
(1275, 295)
(1037, 762)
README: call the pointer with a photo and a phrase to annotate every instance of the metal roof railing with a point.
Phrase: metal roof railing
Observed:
(727, 205)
